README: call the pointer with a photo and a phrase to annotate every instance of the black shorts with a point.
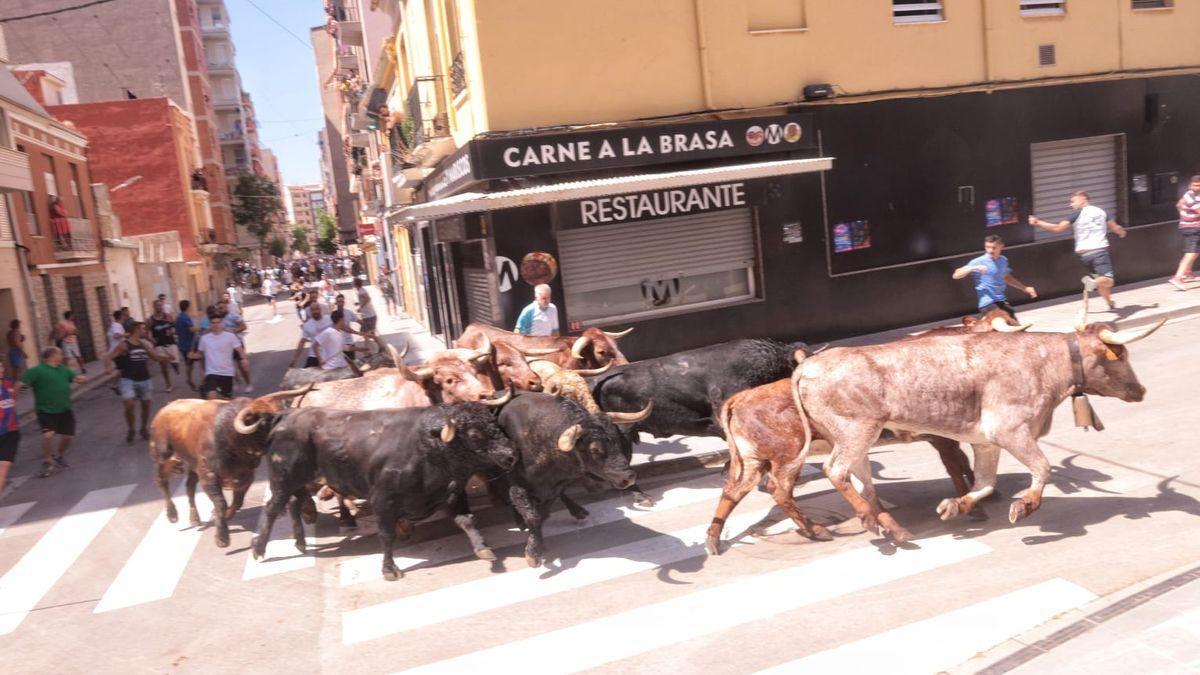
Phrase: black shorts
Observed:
(222, 384)
(62, 423)
(1098, 263)
(311, 362)
(349, 354)
(368, 323)
(8, 446)
(1191, 239)
(1003, 304)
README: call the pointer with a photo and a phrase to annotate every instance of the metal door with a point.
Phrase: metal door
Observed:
(77, 299)
(1061, 168)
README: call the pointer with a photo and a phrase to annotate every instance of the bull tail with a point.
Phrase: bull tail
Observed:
(796, 377)
(735, 457)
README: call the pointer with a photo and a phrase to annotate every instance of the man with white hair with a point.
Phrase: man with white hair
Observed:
(540, 318)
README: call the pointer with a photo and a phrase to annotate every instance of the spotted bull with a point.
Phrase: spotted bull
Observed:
(992, 391)
(594, 348)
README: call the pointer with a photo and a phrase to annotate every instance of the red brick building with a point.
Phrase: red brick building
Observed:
(154, 139)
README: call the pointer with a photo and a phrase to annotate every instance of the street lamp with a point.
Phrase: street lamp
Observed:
(126, 183)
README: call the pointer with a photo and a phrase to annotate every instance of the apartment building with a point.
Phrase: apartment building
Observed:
(304, 203)
(709, 169)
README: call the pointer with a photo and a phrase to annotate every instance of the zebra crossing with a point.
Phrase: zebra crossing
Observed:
(367, 613)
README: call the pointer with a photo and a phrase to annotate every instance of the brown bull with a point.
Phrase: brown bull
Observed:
(988, 390)
(766, 434)
(594, 348)
(200, 438)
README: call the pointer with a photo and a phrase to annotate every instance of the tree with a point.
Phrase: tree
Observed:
(300, 239)
(256, 204)
(277, 247)
(327, 233)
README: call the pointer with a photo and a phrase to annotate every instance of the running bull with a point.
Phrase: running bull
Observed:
(201, 438)
(992, 391)
(408, 464)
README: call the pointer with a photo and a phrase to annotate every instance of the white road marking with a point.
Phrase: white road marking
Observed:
(494, 592)
(11, 514)
(949, 639)
(53, 555)
(281, 555)
(154, 569)
(712, 610)
(366, 568)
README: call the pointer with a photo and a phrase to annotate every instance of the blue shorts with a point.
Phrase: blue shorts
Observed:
(1098, 263)
(16, 359)
(131, 389)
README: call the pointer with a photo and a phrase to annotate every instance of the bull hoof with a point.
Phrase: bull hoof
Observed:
(257, 549)
(713, 545)
(193, 518)
(485, 554)
(818, 533)
(391, 574)
(222, 539)
(1019, 509)
(308, 512)
(869, 523)
(646, 501)
(533, 560)
(899, 534)
(301, 546)
(579, 513)
(948, 509)
(172, 513)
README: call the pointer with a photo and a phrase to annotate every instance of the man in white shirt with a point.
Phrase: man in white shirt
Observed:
(309, 331)
(330, 344)
(116, 331)
(221, 350)
(540, 318)
(1092, 226)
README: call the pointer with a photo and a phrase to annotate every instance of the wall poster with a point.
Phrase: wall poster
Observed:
(1001, 211)
(851, 236)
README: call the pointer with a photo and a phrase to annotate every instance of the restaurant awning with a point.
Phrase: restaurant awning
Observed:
(472, 202)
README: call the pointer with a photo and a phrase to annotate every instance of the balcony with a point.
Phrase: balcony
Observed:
(14, 171)
(351, 33)
(360, 140)
(347, 62)
(79, 241)
(214, 28)
(226, 102)
(232, 136)
(220, 66)
(426, 119)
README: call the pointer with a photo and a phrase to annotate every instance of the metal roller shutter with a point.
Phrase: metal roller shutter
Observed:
(1062, 167)
(6, 231)
(629, 253)
(477, 285)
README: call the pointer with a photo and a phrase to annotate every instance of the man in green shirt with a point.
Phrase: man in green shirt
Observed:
(51, 384)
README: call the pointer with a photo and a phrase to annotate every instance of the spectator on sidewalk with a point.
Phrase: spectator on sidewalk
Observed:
(233, 322)
(1189, 227)
(10, 430)
(540, 317)
(132, 358)
(992, 277)
(187, 334)
(67, 339)
(1091, 225)
(116, 331)
(233, 297)
(16, 347)
(162, 332)
(51, 382)
(389, 293)
(309, 331)
(220, 351)
(366, 308)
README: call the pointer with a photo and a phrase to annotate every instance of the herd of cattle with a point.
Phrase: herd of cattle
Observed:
(533, 416)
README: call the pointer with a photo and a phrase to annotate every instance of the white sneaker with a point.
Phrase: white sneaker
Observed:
(1089, 284)
(246, 388)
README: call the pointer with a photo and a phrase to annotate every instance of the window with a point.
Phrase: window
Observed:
(35, 226)
(50, 177)
(916, 11)
(1043, 7)
(1153, 4)
(770, 16)
(657, 267)
(76, 193)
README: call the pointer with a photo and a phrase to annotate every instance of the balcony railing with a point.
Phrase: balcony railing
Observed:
(232, 135)
(77, 241)
(429, 121)
(458, 75)
(220, 65)
(214, 28)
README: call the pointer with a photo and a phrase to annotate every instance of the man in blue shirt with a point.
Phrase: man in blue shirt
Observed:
(992, 275)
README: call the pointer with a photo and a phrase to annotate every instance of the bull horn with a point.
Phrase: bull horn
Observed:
(1001, 326)
(239, 422)
(397, 358)
(1130, 336)
(577, 348)
(418, 375)
(508, 394)
(594, 371)
(544, 368)
(291, 393)
(631, 418)
(566, 442)
(620, 334)
(484, 351)
(1081, 320)
(537, 351)
(448, 431)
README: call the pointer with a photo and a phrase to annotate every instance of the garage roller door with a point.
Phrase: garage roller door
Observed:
(1063, 167)
(595, 258)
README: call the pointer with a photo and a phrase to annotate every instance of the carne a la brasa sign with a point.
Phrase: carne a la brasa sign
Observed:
(640, 146)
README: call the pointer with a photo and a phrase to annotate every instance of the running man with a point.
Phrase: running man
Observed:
(1189, 227)
(1092, 226)
(132, 357)
(16, 347)
(220, 350)
(10, 428)
(992, 276)
(162, 332)
(51, 383)
(186, 334)
(68, 336)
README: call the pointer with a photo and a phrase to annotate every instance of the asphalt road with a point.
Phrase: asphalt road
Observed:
(95, 579)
